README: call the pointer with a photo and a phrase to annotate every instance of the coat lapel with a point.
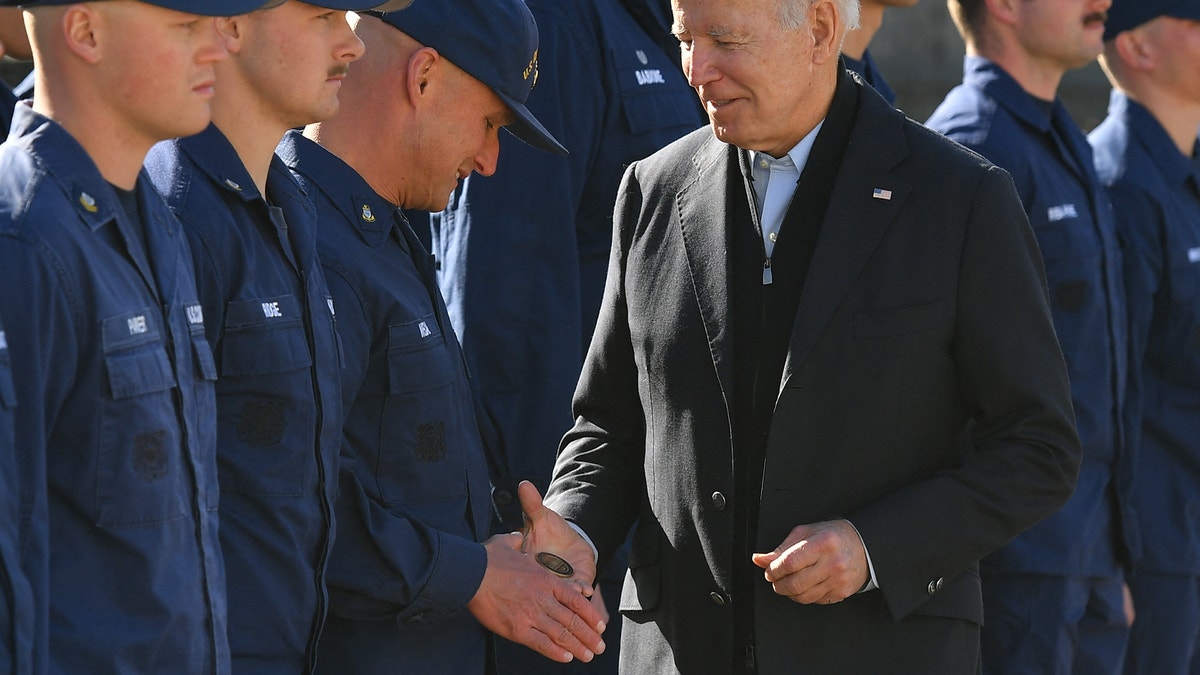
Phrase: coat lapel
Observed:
(703, 205)
(857, 218)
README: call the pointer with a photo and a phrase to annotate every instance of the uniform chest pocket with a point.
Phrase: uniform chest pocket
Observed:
(266, 426)
(262, 336)
(141, 474)
(421, 458)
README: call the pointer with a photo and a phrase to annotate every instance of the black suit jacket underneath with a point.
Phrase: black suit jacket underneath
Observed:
(923, 310)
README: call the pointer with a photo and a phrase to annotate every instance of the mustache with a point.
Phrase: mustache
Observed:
(339, 71)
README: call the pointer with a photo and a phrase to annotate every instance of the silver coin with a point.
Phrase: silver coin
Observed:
(555, 564)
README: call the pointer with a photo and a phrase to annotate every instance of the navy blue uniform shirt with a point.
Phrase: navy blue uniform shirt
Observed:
(524, 253)
(1155, 191)
(413, 501)
(270, 322)
(871, 74)
(16, 598)
(116, 437)
(1051, 164)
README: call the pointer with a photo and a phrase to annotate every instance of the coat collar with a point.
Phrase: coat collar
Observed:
(866, 198)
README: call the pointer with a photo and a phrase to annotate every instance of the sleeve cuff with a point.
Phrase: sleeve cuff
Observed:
(596, 553)
(872, 583)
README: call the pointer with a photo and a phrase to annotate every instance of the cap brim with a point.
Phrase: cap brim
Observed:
(209, 8)
(527, 127)
(1187, 10)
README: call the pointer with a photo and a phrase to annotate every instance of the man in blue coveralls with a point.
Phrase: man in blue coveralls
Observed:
(855, 49)
(412, 589)
(270, 321)
(523, 277)
(16, 600)
(1054, 599)
(115, 438)
(1148, 156)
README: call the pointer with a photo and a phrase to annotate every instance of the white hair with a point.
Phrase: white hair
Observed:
(793, 13)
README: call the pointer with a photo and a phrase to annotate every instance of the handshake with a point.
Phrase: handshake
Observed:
(537, 590)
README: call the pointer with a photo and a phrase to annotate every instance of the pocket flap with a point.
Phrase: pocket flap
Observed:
(137, 372)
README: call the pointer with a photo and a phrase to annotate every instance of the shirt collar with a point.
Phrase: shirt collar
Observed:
(798, 154)
(214, 155)
(1145, 128)
(980, 73)
(67, 163)
(372, 216)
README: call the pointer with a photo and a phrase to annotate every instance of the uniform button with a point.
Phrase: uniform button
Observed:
(502, 497)
(718, 501)
(935, 585)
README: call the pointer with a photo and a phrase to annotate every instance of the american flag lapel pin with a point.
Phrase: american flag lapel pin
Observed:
(880, 193)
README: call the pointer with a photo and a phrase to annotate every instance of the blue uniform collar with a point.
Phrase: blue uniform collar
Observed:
(994, 81)
(372, 216)
(65, 162)
(870, 72)
(1146, 129)
(214, 155)
(1000, 87)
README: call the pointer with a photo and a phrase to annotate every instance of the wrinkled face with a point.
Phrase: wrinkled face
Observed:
(460, 134)
(295, 56)
(159, 67)
(1063, 34)
(751, 73)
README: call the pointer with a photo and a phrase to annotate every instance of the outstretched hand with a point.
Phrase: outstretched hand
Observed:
(546, 531)
(821, 563)
(524, 602)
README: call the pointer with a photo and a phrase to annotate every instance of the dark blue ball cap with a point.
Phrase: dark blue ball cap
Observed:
(232, 7)
(494, 41)
(1127, 14)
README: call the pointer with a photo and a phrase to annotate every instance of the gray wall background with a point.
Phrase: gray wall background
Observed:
(920, 53)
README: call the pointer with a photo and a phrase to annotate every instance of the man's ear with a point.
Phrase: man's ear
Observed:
(1003, 10)
(1135, 50)
(826, 26)
(231, 31)
(424, 69)
(83, 30)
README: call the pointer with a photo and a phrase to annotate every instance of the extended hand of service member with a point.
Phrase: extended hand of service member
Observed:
(547, 532)
(820, 563)
(524, 602)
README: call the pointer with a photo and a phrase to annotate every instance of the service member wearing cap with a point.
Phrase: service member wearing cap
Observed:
(269, 319)
(523, 277)
(414, 587)
(116, 436)
(1054, 597)
(1147, 154)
